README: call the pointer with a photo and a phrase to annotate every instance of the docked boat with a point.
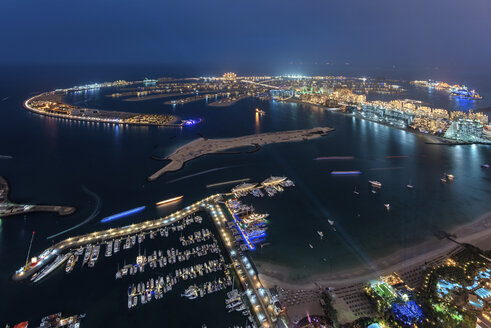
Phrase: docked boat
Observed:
(94, 256)
(88, 251)
(70, 264)
(116, 246)
(127, 243)
(109, 248)
(79, 251)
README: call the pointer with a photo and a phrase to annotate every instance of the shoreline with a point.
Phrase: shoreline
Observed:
(476, 233)
(226, 104)
(200, 147)
(435, 140)
(25, 104)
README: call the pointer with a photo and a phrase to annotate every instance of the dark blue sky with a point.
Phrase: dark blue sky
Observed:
(235, 33)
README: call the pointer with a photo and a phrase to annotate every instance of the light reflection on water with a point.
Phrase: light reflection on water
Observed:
(118, 175)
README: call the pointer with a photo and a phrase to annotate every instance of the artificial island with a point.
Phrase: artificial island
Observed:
(203, 146)
(344, 94)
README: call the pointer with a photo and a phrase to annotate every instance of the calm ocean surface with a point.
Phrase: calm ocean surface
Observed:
(54, 159)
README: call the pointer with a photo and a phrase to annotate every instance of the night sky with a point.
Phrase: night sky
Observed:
(233, 33)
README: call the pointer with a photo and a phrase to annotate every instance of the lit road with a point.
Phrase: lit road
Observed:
(260, 84)
(261, 304)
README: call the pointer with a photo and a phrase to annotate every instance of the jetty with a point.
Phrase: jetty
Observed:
(7, 208)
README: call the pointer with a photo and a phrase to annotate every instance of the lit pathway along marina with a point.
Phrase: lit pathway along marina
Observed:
(73, 243)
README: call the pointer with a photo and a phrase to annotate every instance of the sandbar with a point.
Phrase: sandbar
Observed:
(202, 146)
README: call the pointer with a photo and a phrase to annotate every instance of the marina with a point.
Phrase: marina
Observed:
(239, 229)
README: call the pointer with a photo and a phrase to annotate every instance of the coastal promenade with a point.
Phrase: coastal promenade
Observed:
(201, 147)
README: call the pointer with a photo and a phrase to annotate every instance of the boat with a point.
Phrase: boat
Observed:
(320, 233)
(50, 268)
(465, 93)
(375, 184)
(79, 251)
(261, 112)
(485, 166)
(109, 248)
(310, 245)
(170, 200)
(409, 185)
(234, 304)
(387, 206)
(443, 180)
(94, 256)
(331, 222)
(88, 250)
(450, 177)
(356, 192)
(116, 246)
(70, 264)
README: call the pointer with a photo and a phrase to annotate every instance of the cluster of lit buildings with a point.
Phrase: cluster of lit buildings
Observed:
(457, 90)
(51, 104)
(391, 295)
(350, 96)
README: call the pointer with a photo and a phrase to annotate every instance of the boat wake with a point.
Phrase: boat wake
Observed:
(94, 213)
(204, 172)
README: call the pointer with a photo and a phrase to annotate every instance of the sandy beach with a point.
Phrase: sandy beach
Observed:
(477, 233)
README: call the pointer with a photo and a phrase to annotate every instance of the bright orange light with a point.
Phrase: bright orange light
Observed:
(170, 200)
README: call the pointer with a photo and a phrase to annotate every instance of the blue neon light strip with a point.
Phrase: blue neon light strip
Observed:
(248, 243)
(122, 214)
(259, 236)
(345, 172)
